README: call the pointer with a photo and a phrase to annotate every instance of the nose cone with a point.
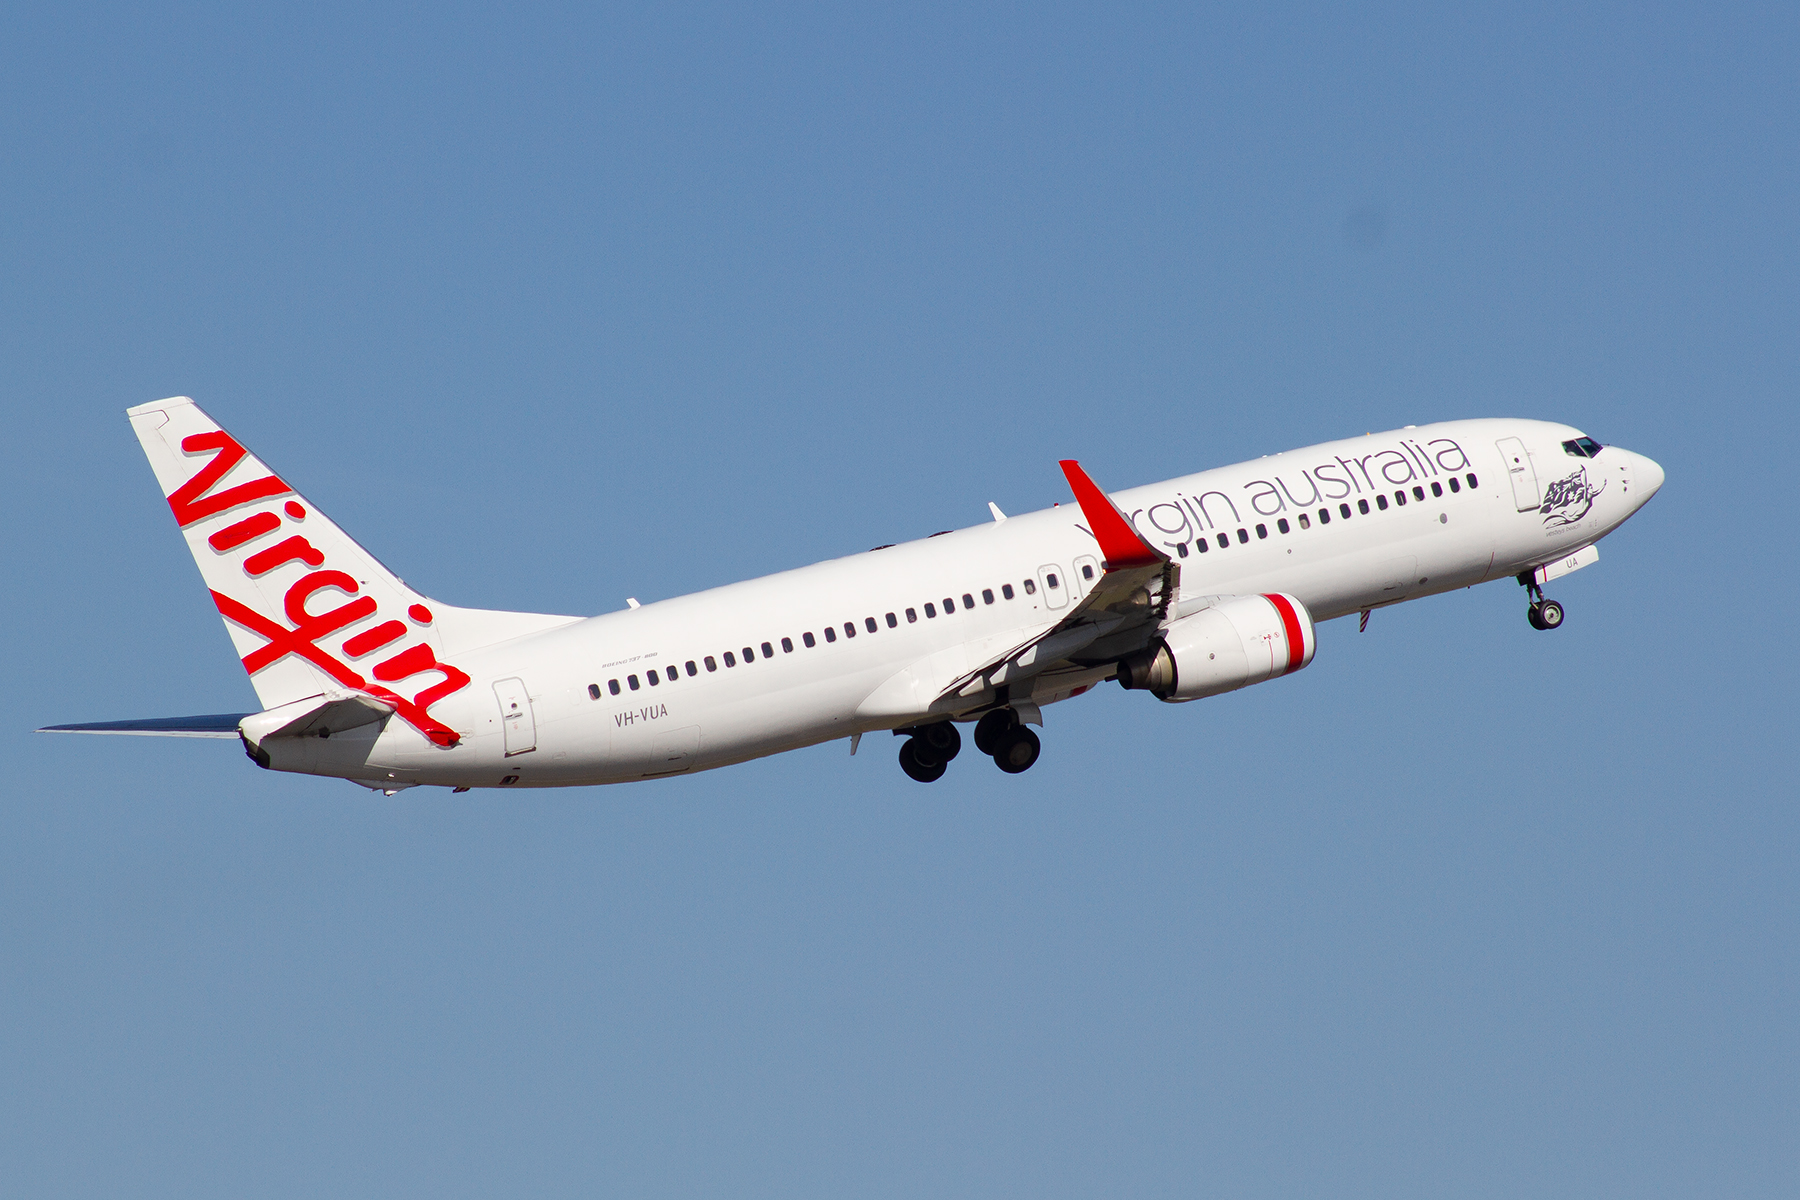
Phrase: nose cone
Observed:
(1648, 476)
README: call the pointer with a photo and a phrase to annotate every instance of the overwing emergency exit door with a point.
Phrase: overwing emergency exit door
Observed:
(1087, 574)
(516, 721)
(1521, 472)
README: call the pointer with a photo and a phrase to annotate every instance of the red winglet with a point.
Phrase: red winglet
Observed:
(1120, 544)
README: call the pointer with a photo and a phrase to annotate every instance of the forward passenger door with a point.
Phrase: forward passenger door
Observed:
(1523, 475)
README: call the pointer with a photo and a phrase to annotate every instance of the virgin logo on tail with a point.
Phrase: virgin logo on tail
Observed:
(194, 501)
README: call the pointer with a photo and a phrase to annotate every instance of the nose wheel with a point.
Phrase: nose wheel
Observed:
(1542, 613)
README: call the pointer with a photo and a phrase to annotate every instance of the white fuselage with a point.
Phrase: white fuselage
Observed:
(530, 717)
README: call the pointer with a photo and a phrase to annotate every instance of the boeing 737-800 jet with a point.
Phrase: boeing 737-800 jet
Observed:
(1183, 589)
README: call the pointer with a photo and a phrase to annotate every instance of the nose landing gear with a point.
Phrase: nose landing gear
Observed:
(1541, 613)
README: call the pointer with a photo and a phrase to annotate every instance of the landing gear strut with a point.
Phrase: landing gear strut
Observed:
(1542, 613)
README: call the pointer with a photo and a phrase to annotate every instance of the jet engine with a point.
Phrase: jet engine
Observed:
(1236, 642)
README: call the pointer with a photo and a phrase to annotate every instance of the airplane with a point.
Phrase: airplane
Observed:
(1185, 589)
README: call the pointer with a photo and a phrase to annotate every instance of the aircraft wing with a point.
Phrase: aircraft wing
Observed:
(1119, 615)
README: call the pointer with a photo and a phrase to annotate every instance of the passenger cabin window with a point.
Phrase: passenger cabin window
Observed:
(808, 640)
(1455, 486)
(911, 617)
(870, 624)
(651, 676)
(1325, 516)
(893, 621)
(1400, 497)
(1030, 589)
(987, 595)
(1437, 489)
(1380, 502)
(1418, 493)
(1362, 506)
(830, 634)
(1262, 531)
(631, 681)
(787, 645)
(1344, 509)
(849, 629)
(1305, 522)
(1202, 545)
(593, 691)
(1243, 537)
(749, 655)
(1473, 482)
(949, 605)
(968, 600)
(1281, 526)
(710, 664)
(1006, 591)
(612, 685)
(768, 650)
(729, 660)
(691, 670)
(930, 609)
(1181, 549)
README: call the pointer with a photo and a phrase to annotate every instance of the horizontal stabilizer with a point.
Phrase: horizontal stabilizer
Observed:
(320, 716)
(215, 725)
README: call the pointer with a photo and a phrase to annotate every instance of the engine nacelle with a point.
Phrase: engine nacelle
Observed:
(1233, 644)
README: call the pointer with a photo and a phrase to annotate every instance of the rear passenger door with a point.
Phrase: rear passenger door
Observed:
(1054, 587)
(516, 720)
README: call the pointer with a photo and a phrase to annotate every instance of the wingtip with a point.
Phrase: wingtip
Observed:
(1120, 543)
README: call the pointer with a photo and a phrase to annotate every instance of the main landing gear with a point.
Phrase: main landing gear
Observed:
(927, 753)
(1542, 613)
(1012, 745)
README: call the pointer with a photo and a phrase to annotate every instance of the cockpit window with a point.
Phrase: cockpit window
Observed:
(1582, 447)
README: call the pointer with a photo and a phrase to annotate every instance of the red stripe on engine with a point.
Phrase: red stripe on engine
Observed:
(1290, 622)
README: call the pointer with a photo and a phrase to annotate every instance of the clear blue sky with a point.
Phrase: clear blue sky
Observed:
(551, 307)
